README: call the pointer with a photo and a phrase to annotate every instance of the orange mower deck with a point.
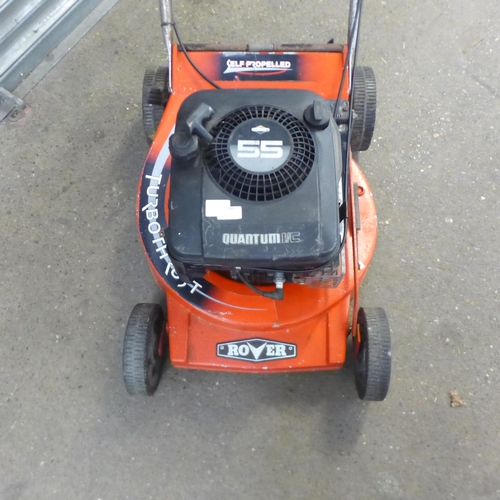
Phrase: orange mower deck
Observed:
(214, 317)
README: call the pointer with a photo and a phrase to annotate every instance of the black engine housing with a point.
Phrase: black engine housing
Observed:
(258, 188)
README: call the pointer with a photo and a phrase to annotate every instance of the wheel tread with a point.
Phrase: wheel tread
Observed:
(154, 99)
(364, 106)
(135, 348)
(374, 384)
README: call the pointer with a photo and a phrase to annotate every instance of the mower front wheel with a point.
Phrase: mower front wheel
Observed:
(142, 350)
(373, 354)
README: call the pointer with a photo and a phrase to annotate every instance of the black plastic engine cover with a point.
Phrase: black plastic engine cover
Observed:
(263, 194)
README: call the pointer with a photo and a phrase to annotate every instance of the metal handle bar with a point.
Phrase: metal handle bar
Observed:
(353, 34)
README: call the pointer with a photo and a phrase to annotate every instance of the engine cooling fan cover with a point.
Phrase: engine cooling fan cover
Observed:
(260, 153)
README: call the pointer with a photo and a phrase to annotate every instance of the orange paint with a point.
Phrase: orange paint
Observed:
(315, 320)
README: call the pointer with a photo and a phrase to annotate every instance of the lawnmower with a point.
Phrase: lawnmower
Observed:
(256, 220)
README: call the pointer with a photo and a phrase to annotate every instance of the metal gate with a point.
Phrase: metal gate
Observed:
(30, 30)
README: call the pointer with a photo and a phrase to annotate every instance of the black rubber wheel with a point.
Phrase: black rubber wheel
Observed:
(365, 108)
(154, 99)
(142, 364)
(373, 360)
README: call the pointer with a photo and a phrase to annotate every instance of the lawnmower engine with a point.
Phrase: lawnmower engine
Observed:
(255, 188)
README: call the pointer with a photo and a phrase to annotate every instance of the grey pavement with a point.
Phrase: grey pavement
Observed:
(71, 269)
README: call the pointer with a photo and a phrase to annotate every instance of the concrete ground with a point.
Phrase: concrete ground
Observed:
(71, 269)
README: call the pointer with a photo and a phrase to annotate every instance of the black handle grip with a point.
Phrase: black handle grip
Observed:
(195, 122)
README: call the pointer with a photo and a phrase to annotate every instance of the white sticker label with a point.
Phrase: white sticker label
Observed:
(223, 210)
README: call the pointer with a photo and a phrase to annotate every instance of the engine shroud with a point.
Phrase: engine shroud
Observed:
(263, 195)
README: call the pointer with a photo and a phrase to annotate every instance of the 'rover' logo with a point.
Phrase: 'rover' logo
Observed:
(256, 350)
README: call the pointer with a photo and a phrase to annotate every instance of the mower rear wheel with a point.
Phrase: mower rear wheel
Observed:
(373, 354)
(155, 95)
(142, 362)
(365, 108)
